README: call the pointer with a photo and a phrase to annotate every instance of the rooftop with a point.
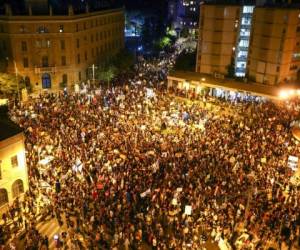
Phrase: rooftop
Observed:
(269, 91)
(55, 7)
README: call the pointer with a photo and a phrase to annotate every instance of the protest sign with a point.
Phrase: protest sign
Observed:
(188, 210)
(293, 162)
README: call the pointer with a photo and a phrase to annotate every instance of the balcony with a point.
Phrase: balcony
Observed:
(41, 70)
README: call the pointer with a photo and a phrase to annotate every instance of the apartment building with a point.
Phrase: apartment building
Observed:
(258, 43)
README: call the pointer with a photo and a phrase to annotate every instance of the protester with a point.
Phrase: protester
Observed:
(131, 170)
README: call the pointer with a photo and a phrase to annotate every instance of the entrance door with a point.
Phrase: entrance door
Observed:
(46, 81)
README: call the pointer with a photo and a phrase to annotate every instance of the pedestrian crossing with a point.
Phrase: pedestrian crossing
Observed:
(51, 228)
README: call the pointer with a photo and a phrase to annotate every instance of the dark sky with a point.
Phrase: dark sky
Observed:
(145, 4)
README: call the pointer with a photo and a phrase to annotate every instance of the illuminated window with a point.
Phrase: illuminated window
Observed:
(14, 161)
(42, 29)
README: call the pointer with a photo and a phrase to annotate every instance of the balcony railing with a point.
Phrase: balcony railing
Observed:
(40, 69)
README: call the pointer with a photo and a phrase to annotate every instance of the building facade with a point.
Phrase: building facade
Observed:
(184, 14)
(55, 51)
(275, 46)
(217, 38)
(13, 170)
(256, 43)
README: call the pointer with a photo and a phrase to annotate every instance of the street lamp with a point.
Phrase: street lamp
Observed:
(16, 71)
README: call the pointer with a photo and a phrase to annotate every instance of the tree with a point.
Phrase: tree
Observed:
(186, 61)
(184, 32)
(123, 61)
(106, 73)
(9, 84)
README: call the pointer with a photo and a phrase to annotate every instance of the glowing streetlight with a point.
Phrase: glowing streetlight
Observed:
(283, 94)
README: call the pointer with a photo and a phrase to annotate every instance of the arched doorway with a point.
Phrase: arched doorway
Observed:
(3, 197)
(46, 81)
(17, 188)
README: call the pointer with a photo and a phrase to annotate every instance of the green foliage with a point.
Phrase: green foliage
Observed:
(8, 83)
(184, 32)
(186, 61)
(106, 73)
(165, 42)
(123, 61)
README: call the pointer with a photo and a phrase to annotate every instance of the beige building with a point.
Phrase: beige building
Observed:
(274, 56)
(261, 44)
(52, 51)
(217, 38)
(13, 170)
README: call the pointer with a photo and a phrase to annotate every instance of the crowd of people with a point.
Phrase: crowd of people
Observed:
(134, 167)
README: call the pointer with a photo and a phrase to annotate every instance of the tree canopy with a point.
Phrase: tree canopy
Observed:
(186, 61)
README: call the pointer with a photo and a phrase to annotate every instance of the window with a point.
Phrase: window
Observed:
(77, 27)
(45, 61)
(61, 28)
(3, 197)
(46, 43)
(62, 45)
(63, 61)
(24, 46)
(93, 52)
(17, 188)
(92, 38)
(38, 44)
(79, 76)
(65, 78)
(14, 161)
(78, 58)
(85, 56)
(42, 29)
(77, 43)
(97, 36)
(25, 62)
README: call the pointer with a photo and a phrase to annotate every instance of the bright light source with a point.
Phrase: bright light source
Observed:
(283, 94)
(203, 79)
(298, 91)
(291, 92)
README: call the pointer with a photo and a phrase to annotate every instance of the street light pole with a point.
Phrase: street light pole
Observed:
(18, 87)
(93, 72)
